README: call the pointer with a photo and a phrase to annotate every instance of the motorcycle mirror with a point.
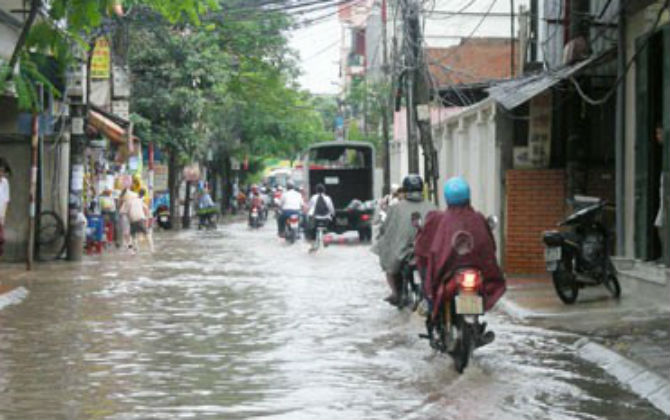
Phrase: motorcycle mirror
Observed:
(492, 220)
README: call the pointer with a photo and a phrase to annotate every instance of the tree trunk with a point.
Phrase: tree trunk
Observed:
(186, 219)
(227, 184)
(173, 176)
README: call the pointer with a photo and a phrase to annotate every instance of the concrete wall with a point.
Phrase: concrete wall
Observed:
(468, 145)
(8, 37)
(15, 149)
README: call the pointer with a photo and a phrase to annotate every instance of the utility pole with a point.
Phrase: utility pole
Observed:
(418, 100)
(386, 107)
(76, 93)
(411, 42)
(34, 145)
(512, 42)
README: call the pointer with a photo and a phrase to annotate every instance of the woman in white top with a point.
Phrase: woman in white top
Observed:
(4, 192)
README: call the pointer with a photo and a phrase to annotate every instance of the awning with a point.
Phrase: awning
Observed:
(109, 128)
(515, 92)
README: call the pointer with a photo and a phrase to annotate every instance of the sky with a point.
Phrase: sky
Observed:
(319, 49)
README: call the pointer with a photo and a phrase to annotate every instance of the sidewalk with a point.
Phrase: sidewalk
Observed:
(629, 338)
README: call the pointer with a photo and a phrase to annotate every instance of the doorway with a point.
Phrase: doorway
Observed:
(652, 145)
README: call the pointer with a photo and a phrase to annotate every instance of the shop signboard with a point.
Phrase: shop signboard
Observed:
(100, 62)
(160, 177)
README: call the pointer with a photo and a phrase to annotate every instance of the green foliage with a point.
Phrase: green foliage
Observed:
(226, 85)
(71, 25)
(369, 100)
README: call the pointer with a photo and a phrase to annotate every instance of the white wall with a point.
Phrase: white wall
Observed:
(469, 148)
(8, 38)
(443, 29)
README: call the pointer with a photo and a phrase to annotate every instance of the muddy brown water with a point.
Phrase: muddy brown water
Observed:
(234, 324)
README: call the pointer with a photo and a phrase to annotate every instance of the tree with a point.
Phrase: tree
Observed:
(226, 85)
(58, 28)
(368, 100)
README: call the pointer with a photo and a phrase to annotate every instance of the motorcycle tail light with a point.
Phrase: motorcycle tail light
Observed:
(365, 217)
(294, 218)
(469, 280)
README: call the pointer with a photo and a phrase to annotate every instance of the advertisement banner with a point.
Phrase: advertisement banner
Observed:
(100, 62)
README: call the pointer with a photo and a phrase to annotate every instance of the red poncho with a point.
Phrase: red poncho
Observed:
(442, 247)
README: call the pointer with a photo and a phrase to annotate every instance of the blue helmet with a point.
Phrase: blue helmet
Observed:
(456, 191)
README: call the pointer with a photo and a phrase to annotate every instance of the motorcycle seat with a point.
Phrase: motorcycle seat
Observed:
(553, 238)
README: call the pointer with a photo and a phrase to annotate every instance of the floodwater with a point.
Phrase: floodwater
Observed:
(235, 324)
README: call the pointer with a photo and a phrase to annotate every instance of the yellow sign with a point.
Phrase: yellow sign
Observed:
(100, 60)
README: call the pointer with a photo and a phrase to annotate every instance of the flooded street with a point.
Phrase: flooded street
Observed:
(234, 324)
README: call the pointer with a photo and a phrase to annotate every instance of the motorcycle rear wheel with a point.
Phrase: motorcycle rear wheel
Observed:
(566, 287)
(463, 348)
(612, 281)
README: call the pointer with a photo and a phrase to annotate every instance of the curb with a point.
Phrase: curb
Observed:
(639, 379)
(13, 297)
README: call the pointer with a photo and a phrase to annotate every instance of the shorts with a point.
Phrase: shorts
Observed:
(138, 227)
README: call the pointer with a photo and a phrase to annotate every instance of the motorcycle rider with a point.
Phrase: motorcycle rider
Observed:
(458, 237)
(398, 232)
(267, 201)
(290, 203)
(320, 207)
(206, 207)
(256, 200)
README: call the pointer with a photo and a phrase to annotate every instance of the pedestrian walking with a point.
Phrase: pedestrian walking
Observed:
(148, 221)
(4, 200)
(137, 212)
(124, 218)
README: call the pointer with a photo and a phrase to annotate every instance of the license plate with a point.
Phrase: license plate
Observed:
(469, 305)
(163, 218)
(294, 225)
(342, 221)
(254, 213)
(552, 254)
(331, 180)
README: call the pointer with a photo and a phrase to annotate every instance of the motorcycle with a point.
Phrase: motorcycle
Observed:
(162, 215)
(292, 229)
(255, 219)
(410, 287)
(580, 257)
(454, 325)
(207, 218)
(321, 224)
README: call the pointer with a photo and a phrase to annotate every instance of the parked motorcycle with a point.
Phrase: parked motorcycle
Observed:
(292, 230)
(454, 326)
(580, 257)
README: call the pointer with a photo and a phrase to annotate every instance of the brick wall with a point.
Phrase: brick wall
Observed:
(535, 203)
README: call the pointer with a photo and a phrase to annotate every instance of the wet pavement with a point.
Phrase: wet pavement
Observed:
(234, 324)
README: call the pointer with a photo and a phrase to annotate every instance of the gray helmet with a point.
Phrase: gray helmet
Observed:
(412, 183)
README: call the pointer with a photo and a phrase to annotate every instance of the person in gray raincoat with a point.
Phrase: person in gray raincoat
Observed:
(398, 232)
